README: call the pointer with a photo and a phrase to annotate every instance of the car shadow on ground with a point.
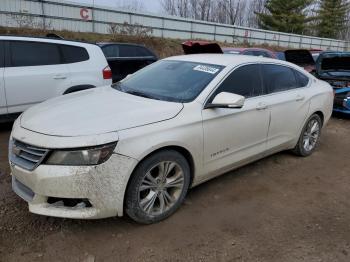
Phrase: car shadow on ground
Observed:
(5, 127)
(338, 115)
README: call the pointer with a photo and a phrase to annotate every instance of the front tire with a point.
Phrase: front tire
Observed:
(157, 187)
(309, 137)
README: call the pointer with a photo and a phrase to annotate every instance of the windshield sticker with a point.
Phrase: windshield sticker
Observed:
(206, 69)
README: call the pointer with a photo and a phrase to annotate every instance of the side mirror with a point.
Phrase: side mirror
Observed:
(226, 100)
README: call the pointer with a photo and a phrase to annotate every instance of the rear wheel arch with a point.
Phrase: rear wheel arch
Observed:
(78, 88)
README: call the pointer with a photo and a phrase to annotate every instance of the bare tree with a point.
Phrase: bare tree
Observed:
(254, 7)
(221, 11)
(131, 5)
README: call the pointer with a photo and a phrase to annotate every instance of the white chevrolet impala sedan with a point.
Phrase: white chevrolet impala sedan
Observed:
(136, 147)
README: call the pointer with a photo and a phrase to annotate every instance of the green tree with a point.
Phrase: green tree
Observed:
(331, 17)
(285, 16)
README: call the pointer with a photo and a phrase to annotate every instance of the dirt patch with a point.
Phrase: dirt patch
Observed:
(282, 208)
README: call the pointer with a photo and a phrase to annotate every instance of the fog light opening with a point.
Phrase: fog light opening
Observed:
(69, 202)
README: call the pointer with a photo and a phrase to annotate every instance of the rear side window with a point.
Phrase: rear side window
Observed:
(111, 50)
(74, 54)
(302, 79)
(244, 81)
(2, 54)
(33, 54)
(278, 78)
(142, 51)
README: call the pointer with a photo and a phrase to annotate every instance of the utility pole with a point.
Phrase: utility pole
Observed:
(93, 16)
(43, 14)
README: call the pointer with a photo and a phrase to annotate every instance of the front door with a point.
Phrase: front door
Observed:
(232, 136)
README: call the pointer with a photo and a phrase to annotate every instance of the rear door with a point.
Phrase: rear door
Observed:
(34, 74)
(3, 108)
(288, 100)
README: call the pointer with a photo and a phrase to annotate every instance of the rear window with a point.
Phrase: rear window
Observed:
(33, 54)
(2, 54)
(74, 54)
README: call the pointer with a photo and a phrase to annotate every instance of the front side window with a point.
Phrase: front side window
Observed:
(278, 78)
(176, 81)
(33, 54)
(244, 81)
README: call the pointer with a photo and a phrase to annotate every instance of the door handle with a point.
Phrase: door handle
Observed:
(262, 106)
(59, 77)
(300, 98)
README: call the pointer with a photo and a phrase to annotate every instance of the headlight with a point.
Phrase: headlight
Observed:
(346, 103)
(81, 157)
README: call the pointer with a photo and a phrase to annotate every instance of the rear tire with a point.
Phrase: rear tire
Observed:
(309, 137)
(157, 187)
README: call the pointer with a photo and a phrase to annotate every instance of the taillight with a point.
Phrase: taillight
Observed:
(107, 73)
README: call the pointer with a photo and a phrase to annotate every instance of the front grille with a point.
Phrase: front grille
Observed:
(26, 156)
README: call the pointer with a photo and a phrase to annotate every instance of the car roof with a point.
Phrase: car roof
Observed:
(117, 43)
(44, 39)
(227, 59)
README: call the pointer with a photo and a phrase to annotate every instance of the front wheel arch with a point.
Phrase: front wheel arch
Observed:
(183, 151)
(130, 201)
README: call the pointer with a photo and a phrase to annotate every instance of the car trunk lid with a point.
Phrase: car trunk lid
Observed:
(201, 47)
(302, 58)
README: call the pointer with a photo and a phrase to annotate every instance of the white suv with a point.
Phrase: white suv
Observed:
(35, 69)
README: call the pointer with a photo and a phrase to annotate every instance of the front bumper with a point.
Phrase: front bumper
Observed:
(342, 100)
(103, 186)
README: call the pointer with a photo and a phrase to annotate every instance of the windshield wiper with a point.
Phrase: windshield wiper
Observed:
(121, 88)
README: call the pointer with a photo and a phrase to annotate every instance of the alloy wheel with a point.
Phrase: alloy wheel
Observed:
(161, 188)
(311, 135)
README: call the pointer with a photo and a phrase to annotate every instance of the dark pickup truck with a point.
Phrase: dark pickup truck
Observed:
(125, 59)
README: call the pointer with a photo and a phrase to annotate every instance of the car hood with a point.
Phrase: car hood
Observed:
(96, 111)
(334, 65)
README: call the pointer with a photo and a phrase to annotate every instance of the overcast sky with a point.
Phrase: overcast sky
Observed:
(149, 5)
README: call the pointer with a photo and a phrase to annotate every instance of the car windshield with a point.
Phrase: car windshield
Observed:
(175, 81)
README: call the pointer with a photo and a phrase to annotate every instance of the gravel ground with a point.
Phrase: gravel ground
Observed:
(282, 208)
